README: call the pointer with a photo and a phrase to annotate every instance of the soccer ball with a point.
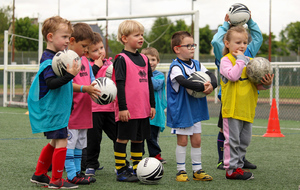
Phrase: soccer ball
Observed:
(108, 90)
(238, 14)
(257, 68)
(61, 59)
(109, 71)
(201, 77)
(150, 170)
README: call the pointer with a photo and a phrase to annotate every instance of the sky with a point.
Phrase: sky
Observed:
(212, 12)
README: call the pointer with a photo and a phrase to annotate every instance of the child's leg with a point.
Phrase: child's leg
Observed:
(136, 153)
(221, 138)
(58, 159)
(245, 139)
(70, 160)
(44, 160)
(120, 156)
(196, 151)
(80, 144)
(181, 151)
(152, 144)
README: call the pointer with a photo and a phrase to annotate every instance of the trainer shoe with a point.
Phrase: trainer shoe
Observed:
(200, 175)
(61, 184)
(81, 179)
(239, 174)
(248, 165)
(158, 157)
(182, 176)
(90, 172)
(89, 178)
(126, 176)
(43, 179)
(220, 165)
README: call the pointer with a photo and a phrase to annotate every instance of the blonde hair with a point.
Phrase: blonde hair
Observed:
(127, 27)
(151, 51)
(228, 35)
(52, 24)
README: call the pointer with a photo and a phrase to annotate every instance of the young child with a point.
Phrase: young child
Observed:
(239, 99)
(81, 116)
(184, 112)
(158, 123)
(135, 98)
(49, 104)
(103, 115)
(251, 51)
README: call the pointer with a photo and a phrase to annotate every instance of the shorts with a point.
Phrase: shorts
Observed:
(134, 129)
(196, 128)
(77, 138)
(57, 134)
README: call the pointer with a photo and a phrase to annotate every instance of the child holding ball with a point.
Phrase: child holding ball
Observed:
(239, 99)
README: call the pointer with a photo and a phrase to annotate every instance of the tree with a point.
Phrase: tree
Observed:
(205, 38)
(25, 27)
(5, 19)
(292, 32)
(264, 49)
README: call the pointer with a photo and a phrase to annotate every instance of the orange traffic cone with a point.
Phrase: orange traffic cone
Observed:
(273, 129)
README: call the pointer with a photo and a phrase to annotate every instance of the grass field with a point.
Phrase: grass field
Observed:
(277, 159)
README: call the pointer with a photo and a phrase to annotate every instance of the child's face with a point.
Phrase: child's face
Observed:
(81, 47)
(60, 39)
(238, 42)
(97, 51)
(133, 41)
(153, 62)
(184, 53)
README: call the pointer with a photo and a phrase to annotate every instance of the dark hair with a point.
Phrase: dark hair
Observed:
(82, 31)
(97, 38)
(177, 38)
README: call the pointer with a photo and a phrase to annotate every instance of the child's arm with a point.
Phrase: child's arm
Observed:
(157, 83)
(266, 82)
(256, 36)
(233, 73)
(90, 89)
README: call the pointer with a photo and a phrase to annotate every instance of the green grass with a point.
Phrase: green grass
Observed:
(277, 159)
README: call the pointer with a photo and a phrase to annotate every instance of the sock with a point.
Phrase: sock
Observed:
(58, 163)
(77, 159)
(220, 144)
(120, 157)
(70, 164)
(180, 157)
(196, 159)
(44, 160)
(136, 154)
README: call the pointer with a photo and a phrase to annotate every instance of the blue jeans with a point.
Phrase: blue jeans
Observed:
(152, 143)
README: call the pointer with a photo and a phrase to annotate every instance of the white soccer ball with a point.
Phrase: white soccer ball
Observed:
(150, 170)
(61, 59)
(109, 71)
(257, 68)
(238, 14)
(201, 77)
(108, 90)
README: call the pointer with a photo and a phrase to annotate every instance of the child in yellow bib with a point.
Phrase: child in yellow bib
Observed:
(239, 99)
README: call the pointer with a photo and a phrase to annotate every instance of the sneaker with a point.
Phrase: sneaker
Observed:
(43, 179)
(200, 175)
(126, 176)
(61, 184)
(81, 179)
(90, 172)
(182, 176)
(220, 165)
(128, 168)
(239, 174)
(158, 157)
(248, 165)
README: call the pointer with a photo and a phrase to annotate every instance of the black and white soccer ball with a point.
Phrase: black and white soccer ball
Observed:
(61, 59)
(108, 90)
(257, 68)
(150, 170)
(201, 77)
(238, 14)
(109, 71)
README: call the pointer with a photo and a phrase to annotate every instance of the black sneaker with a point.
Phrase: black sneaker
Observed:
(248, 165)
(220, 165)
(89, 178)
(61, 184)
(43, 179)
(126, 176)
(239, 174)
(81, 179)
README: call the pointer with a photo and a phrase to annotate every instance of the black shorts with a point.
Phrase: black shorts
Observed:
(135, 129)
(57, 134)
(220, 122)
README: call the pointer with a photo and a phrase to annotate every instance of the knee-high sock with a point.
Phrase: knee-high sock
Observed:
(44, 160)
(196, 158)
(220, 144)
(136, 154)
(77, 159)
(70, 164)
(180, 157)
(58, 162)
(120, 157)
